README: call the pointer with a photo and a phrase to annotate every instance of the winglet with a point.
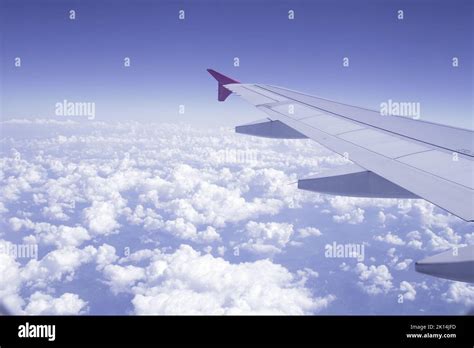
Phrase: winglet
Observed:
(222, 80)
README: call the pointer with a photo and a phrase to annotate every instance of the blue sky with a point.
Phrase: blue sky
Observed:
(147, 211)
(82, 60)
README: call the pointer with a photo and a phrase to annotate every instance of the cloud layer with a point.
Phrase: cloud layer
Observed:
(172, 219)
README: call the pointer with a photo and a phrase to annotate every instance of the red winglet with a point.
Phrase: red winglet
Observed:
(222, 80)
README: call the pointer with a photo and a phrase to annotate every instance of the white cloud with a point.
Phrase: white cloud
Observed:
(186, 282)
(390, 238)
(469, 238)
(17, 224)
(414, 235)
(374, 280)
(414, 240)
(101, 217)
(381, 217)
(38, 121)
(160, 184)
(105, 256)
(181, 229)
(415, 244)
(57, 265)
(44, 304)
(267, 237)
(60, 236)
(55, 212)
(49, 234)
(216, 205)
(122, 278)
(460, 293)
(403, 265)
(409, 292)
(10, 282)
(209, 235)
(437, 242)
(356, 216)
(309, 232)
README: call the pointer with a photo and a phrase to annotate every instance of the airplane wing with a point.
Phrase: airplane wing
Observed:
(392, 156)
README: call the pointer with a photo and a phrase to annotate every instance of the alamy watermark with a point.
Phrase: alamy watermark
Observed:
(69, 108)
(335, 250)
(237, 156)
(406, 109)
(19, 251)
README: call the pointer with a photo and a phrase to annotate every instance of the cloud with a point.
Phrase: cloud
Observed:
(44, 304)
(395, 262)
(351, 209)
(309, 232)
(374, 280)
(101, 218)
(55, 212)
(147, 217)
(40, 273)
(57, 265)
(403, 265)
(460, 293)
(414, 240)
(38, 121)
(10, 282)
(469, 238)
(270, 237)
(60, 236)
(87, 191)
(186, 282)
(438, 242)
(409, 292)
(121, 278)
(354, 217)
(390, 238)
(381, 217)
(182, 229)
(427, 214)
(215, 205)
(106, 254)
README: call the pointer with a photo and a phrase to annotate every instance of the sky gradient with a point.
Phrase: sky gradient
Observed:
(82, 60)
